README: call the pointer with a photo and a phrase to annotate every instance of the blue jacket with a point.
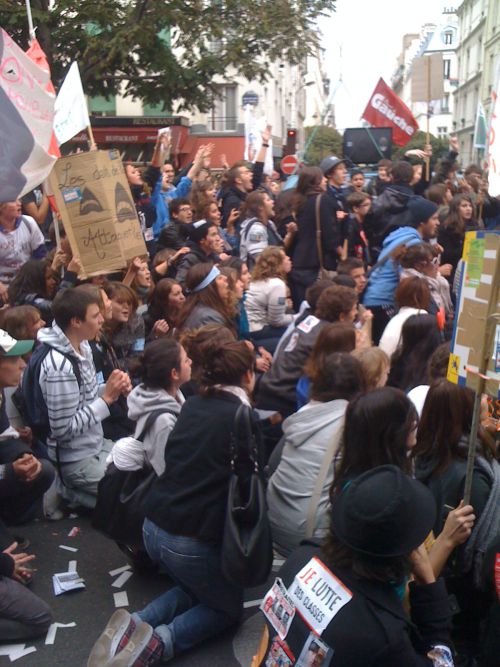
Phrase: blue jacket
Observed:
(161, 200)
(384, 277)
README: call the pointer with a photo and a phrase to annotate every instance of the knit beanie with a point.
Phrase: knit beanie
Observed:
(421, 209)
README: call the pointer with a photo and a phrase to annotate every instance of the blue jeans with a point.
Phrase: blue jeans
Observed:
(202, 604)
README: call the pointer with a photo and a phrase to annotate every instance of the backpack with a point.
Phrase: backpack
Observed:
(28, 398)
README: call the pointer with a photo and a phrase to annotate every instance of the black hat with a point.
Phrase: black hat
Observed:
(383, 513)
(327, 164)
(421, 209)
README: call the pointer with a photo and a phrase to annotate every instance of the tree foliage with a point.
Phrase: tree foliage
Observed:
(164, 51)
(325, 141)
(439, 146)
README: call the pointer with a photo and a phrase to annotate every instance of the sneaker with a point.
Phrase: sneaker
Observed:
(144, 648)
(105, 647)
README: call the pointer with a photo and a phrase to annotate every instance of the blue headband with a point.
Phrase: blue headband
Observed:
(214, 272)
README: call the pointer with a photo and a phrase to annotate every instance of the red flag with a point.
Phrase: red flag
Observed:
(35, 52)
(385, 109)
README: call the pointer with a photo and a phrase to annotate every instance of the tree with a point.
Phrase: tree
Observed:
(164, 51)
(325, 141)
(439, 146)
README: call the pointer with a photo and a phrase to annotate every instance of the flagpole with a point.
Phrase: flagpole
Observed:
(427, 134)
(30, 20)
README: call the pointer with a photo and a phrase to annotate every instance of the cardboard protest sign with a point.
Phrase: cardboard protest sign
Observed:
(98, 212)
(476, 334)
(427, 78)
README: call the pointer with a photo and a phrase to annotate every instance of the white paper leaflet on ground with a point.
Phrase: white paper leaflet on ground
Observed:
(279, 654)
(122, 579)
(119, 570)
(278, 608)
(121, 599)
(64, 582)
(441, 656)
(315, 652)
(72, 566)
(318, 595)
(63, 546)
(15, 651)
(51, 633)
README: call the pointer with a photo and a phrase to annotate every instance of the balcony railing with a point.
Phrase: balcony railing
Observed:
(222, 123)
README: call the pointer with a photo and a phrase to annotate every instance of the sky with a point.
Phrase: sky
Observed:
(369, 34)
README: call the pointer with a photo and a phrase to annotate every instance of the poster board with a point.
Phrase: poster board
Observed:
(476, 333)
(97, 209)
(423, 89)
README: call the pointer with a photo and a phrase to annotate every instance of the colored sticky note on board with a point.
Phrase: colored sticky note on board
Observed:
(453, 368)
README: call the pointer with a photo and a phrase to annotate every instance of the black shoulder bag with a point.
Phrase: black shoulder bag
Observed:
(247, 550)
(121, 494)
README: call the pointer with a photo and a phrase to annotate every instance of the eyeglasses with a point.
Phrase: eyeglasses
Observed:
(184, 209)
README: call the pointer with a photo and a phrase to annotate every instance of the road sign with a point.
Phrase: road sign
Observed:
(289, 164)
(250, 98)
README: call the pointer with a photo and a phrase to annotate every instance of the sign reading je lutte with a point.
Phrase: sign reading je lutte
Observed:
(97, 209)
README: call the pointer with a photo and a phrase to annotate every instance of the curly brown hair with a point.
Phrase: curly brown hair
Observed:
(269, 264)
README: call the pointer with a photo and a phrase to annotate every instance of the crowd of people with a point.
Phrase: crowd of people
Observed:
(327, 309)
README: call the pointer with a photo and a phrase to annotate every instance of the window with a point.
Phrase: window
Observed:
(446, 68)
(224, 116)
(100, 106)
(446, 103)
(448, 37)
(442, 132)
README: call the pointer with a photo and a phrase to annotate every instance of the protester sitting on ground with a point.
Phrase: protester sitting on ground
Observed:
(377, 526)
(207, 298)
(69, 387)
(228, 236)
(304, 247)
(164, 367)
(138, 278)
(297, 493)
(35, 284)
(185, 541)
(164, 305)
(355, 268)
(421, 260)
(202, 194)
(420, 336)
(412, 297)
(244, 277)
(105, 359)
(176, 234)
(436, 368)
(257, 230)
(375, 365)
(23, 615)
(24, 478)
(125, 330)
(451, 235)
(422, 223)
(277, 388)
(441, 462)
(265, 303)
(336, 337)
(234, 301)
(205, 247)
(381, 428)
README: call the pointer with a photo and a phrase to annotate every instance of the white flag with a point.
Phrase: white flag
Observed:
(26, 112)
(494, 141)
(71, 115)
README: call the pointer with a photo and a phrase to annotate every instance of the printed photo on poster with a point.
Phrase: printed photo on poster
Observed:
(315, 653)
(279, 654)
(278, 608)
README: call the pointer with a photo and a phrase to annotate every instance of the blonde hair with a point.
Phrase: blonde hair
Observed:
(269, 264)
(374, 363)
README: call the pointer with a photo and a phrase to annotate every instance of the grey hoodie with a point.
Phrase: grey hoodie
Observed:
(141, 402)
(308, 433)
(75, 413)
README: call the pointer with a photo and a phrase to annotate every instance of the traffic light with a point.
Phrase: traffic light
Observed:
(291, 142)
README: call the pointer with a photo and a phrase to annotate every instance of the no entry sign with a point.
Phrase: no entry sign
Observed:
(289, 164)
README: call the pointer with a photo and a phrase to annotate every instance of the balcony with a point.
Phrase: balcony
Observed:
(222, 123)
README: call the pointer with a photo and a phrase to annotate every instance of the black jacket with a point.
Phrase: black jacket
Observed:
(304, 249)
(234, 198)
(194, 256)
(372, 629)
(190, 497)
(390, 210)
(174, 235)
